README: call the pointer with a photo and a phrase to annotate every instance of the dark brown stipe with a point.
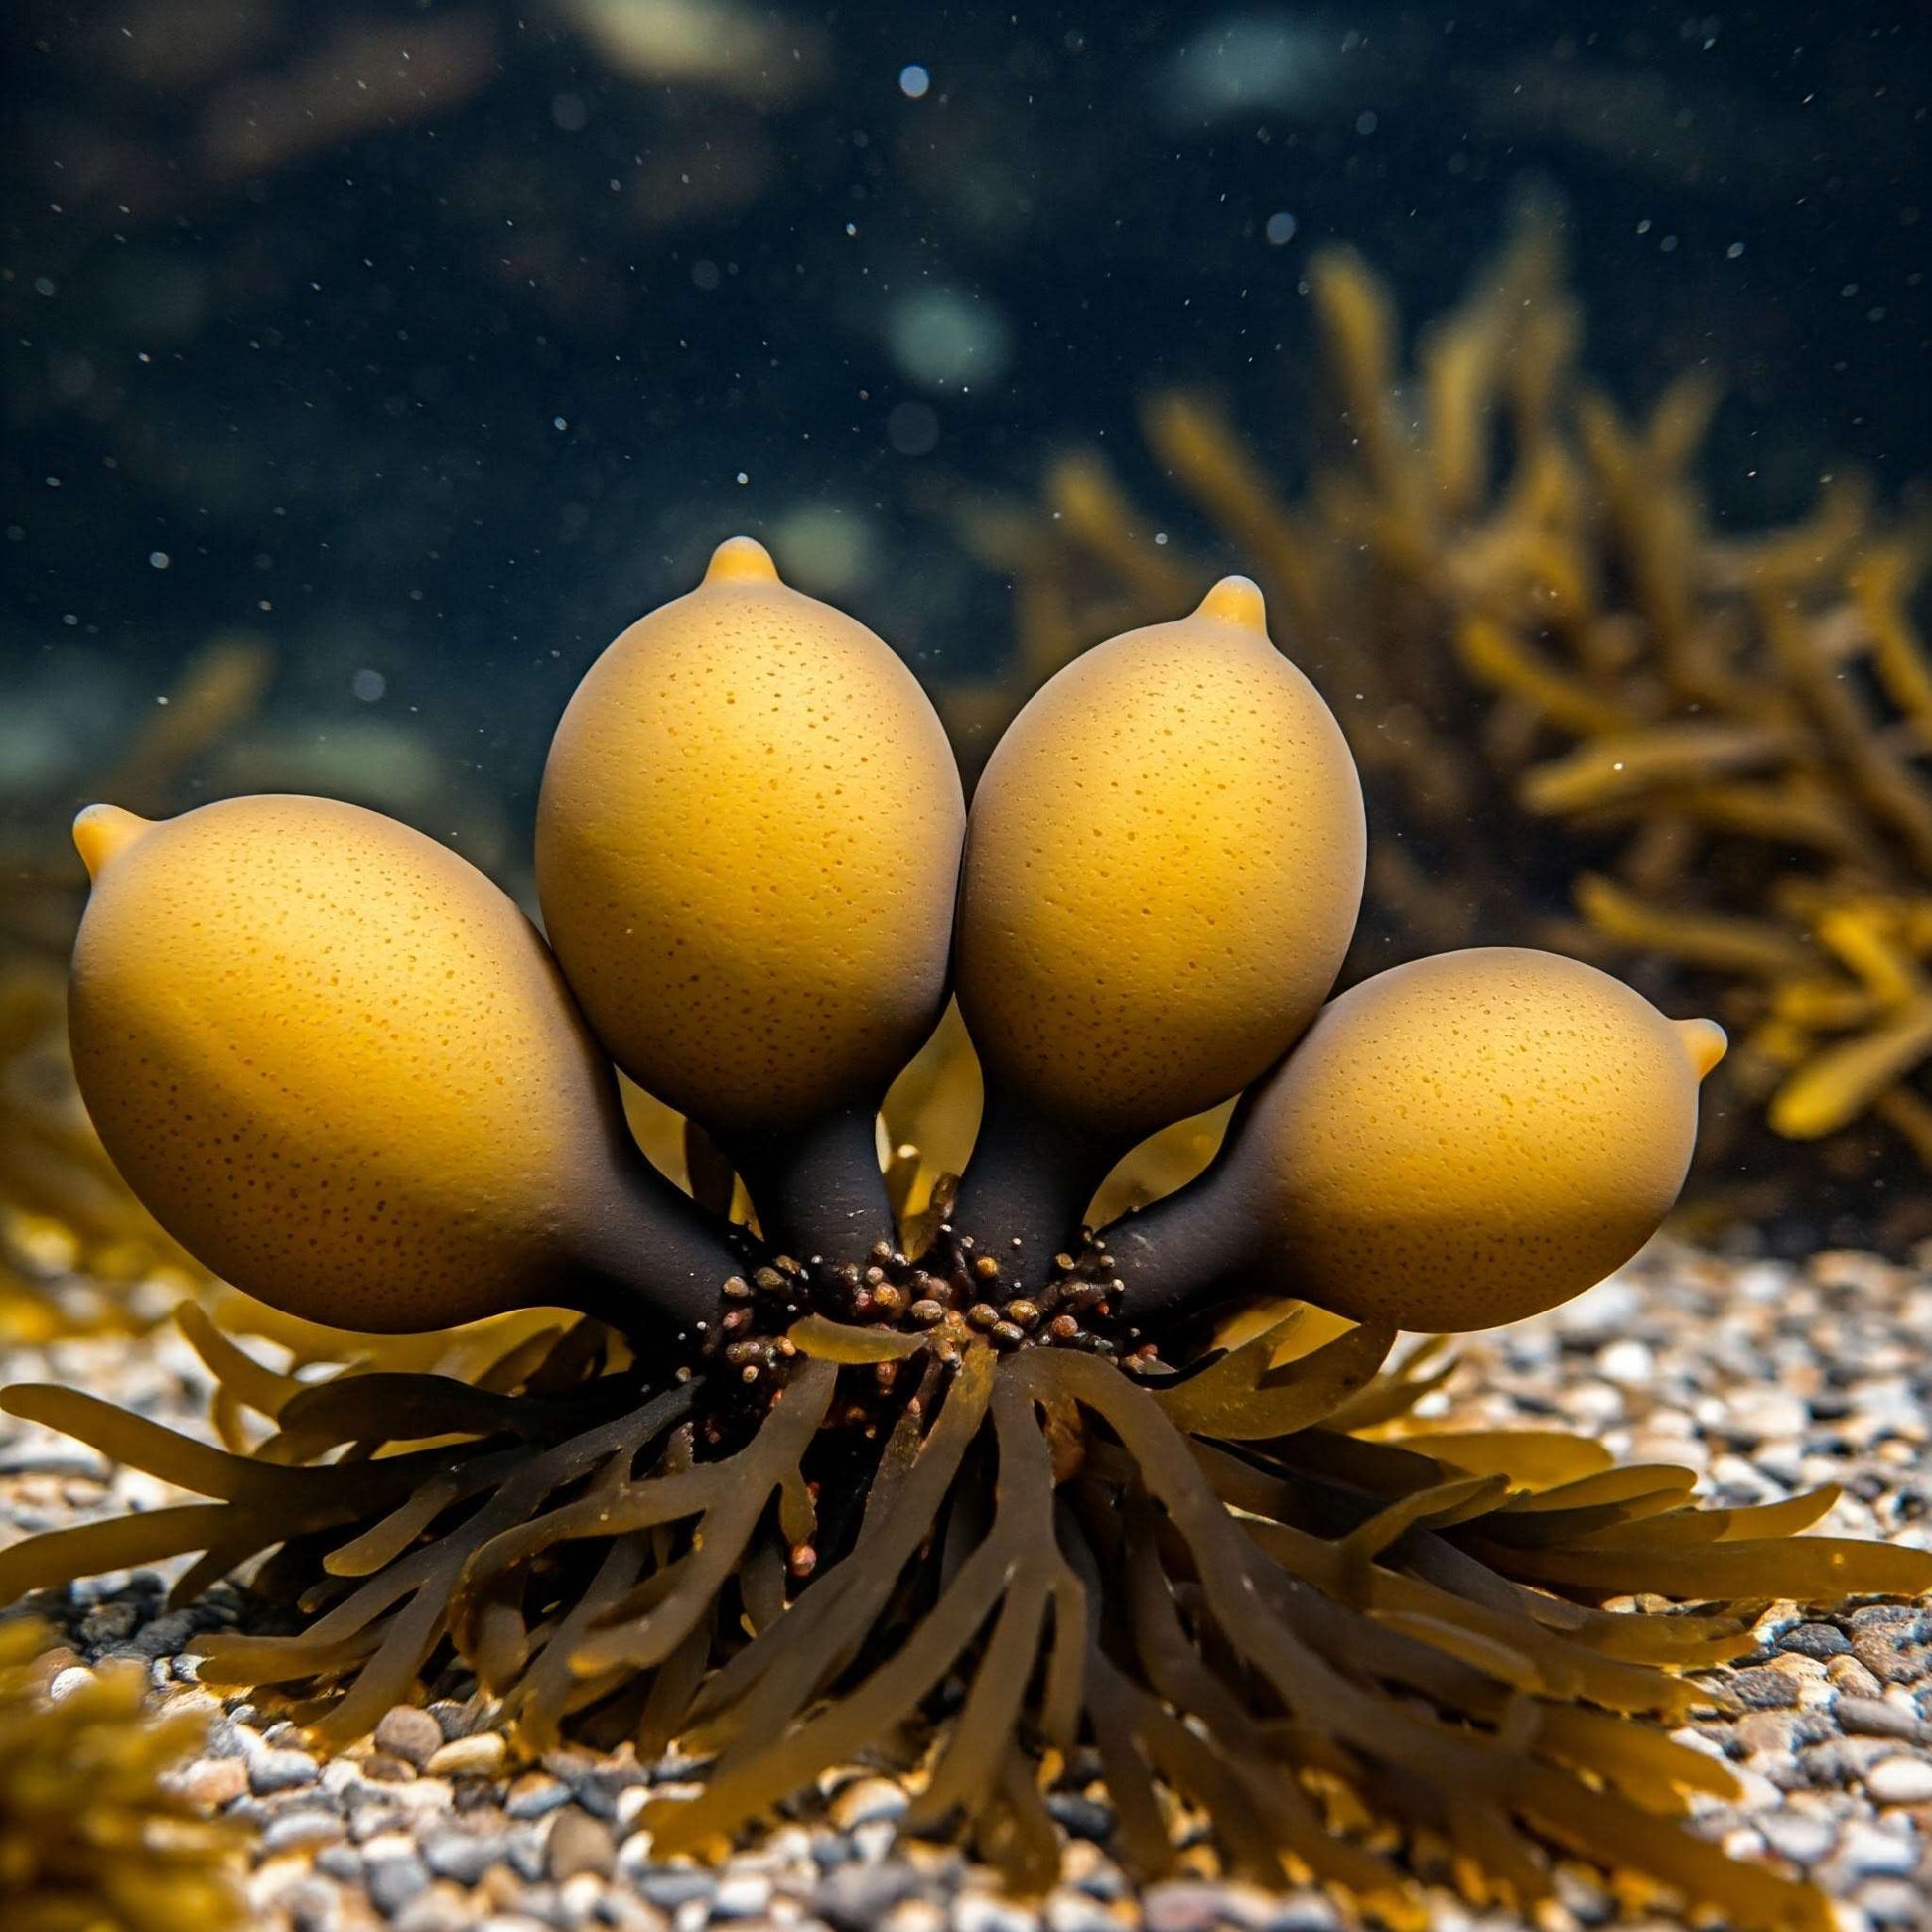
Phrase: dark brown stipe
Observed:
(652, 1263)
(1181, 1255)
(1026, 1191)
(818, 1190)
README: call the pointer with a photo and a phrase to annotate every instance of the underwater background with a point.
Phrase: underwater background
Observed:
(369, 366)
(1560, 374)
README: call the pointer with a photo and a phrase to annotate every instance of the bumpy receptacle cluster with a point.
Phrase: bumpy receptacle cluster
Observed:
(346, 1072)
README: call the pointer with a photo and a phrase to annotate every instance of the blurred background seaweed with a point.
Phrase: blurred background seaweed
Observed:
(367, 365)
(94, 1837)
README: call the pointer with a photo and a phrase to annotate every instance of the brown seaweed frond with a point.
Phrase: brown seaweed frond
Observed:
(1255, 1590)
(1512, 591)
(91, 1835)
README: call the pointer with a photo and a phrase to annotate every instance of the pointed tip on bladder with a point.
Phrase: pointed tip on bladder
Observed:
(1236, 600)
(742, 560)
(102, 832)
(1704, 1041)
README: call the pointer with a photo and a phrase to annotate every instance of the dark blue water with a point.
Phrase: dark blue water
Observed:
(434, 343)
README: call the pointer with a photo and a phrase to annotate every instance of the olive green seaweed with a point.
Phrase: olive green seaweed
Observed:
(90, 1834)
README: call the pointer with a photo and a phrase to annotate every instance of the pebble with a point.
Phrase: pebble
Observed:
(1626, 1362)
(109, 1624)
(535, 1794)
(1605, 1312)
(271, 1770)
(1842, 1762)
(979, 1911)
(673, 1886)
(1310, 1912)
(1869, 1853)
(453, 1718)
(875, 1838)
(209, 1783)
(1819, 1640)
(1874, 1717)
(410, 1733)
(309, 1826)
(1881, 1655)
(1087, 1867)
(480, 1756)
(463, 1857)
(1900, 1781)
(436, 1908)
(579, 1842)
(523, 1849)
(913, 1915)
(866, 1801)
(1189, 1906)
(1818, 1373)
(1079, 1816)
(742, 1895)
(1851, 1676)
(1075, 1911)
(631, 1914)
(602, 1788)
(397, 1872)
(1765, 1416)
(1767, 1734)
(1893, 1901)
(420, 1796)
(1763, 1689)
(1803, 1837)
(1901, 1621)
(309, 1904)
(854, 1897)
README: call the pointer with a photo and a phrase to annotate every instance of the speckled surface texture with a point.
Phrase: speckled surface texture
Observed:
(1163, 867)
(1764, 1376)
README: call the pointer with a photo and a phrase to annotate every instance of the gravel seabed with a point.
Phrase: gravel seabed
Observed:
(1763, 1376)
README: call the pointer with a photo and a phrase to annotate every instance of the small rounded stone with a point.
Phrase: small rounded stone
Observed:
(1900, 1781)
(481, 1756)
(409, 1733)
(577, 1843)
(209, 1783)
(868, 1801)
(280, 1770)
